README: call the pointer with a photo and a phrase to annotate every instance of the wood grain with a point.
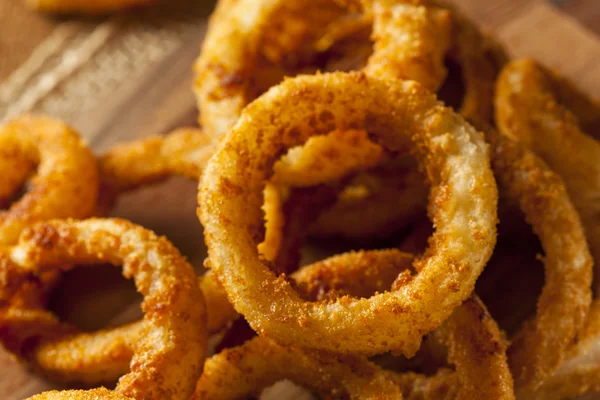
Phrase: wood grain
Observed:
(161, 100)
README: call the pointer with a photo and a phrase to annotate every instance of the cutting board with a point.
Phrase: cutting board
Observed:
(561, 35)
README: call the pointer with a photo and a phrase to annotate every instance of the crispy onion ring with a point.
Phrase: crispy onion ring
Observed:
(456, 161)
(258, 363)
(174, 336)
(94, 394)
(529, 112)
(411, 42)
(130, 165)
(475, 344)
(83, 6)
(541, 344)
(65, 180)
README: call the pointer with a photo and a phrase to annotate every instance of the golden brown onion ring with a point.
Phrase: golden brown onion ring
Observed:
(527, 110)
(455, 159)
(540, 345)
(64, 176)
(173, 342)
(475, 344)
(247, 369)
(83, 6)
(94, 394)
(412, 42)
(130, 165)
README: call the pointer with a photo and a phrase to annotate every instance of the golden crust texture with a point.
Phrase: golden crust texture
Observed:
(455, 159)
(94, 394)
(247, 369)
(62, 172)
(173, 337)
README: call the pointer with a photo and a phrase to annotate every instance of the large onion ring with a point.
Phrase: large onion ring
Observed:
(455, 158)
(65, 183)
(174, 337)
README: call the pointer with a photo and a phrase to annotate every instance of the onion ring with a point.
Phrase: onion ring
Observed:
(226, 80)
(65, 184)
(528, 111)
(541, 344)
(94, 394)
(83, 6)
(476, 347)
(260, 362)
(150, 160)
(391, 111)
(174, 336)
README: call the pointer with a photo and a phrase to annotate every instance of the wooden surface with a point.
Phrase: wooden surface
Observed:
(161, 99)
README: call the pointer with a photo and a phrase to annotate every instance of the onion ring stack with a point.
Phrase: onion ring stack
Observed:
(302, 167)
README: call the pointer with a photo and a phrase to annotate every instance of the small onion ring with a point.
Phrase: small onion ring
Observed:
(528, 110)
(174, 337)
(65, 184)
(94, 394)
(456, 161)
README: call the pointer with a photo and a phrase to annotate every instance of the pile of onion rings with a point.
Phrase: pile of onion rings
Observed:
(321, 134)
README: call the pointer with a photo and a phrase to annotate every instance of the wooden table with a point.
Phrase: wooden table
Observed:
(157, 99)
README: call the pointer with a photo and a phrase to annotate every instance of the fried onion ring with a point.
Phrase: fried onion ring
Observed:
(174, 336)
(411, 42)
(528, 110)
(83, 6)
(476, 347)
(64, 183)
(541, 344)
(455, 158)
(247, 369)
